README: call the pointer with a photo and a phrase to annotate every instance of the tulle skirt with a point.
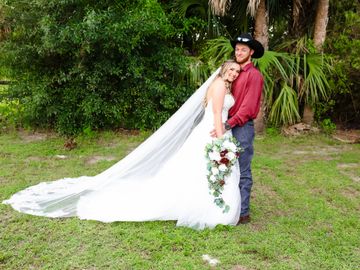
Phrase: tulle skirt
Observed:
(179, 191)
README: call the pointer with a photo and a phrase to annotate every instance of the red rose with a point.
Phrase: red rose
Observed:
(223, 153)
(222, 182)
(224, 160)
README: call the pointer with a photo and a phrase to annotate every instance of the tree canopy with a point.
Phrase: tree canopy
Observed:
(80, 64)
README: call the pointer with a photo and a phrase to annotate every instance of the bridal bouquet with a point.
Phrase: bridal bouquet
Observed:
(221, 154)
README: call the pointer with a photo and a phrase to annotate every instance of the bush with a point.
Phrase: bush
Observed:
(344, 43)
(328, 126)
(11, 113)
(94, 64)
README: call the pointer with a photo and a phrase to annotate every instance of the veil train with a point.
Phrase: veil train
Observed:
(59, 198)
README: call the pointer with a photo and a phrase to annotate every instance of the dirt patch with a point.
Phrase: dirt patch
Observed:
(266, 191)
(351, 193)
(96, 159)
(347, 165)
(3, 180)
(240, 267)
(299, 129)
(112, 145)
(349, 169)
(343, 135)
(347, 136)
(131, 146)
(33, 136)
(352, 175)
(315, 153)
(33, 158)
(123, 131)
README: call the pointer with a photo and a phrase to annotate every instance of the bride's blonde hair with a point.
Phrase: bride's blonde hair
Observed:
(224, 68)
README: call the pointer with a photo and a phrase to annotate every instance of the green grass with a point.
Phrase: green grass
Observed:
(305, 211)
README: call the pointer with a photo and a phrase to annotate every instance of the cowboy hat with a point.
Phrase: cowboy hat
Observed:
(248, 40)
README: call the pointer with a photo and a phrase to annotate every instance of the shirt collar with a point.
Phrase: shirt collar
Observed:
(247, 67)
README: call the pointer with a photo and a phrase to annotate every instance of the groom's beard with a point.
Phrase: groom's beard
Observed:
(243, 60)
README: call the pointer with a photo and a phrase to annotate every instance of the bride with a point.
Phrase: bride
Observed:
(165, 178)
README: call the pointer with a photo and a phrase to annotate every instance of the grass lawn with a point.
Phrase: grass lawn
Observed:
(305, 210)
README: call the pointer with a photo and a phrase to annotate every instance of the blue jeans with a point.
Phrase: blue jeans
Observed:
(245, 135)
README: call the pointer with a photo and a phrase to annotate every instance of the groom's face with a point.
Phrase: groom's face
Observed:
(243, 53)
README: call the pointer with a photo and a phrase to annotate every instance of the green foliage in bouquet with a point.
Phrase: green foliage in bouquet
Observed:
(221, 155)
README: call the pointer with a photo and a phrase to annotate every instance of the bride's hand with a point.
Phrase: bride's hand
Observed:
(214, 135)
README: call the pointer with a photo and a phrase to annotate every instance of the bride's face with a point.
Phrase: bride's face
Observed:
(232, 73)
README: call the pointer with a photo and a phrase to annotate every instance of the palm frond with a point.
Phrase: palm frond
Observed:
(252, 7)
(308, 73)
(275, 67)
(296, 10)
(182, 6)
(315, 82)
(285, 110)
(202, 9)
(219, 7)
(297, 46)
(198, 72)
(218, 50)
(279, 61)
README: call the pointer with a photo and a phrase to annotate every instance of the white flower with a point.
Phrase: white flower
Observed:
(212, 178)
(215, 171)
(222, 167)
(230, 155)
(229, 145)
(214, 156)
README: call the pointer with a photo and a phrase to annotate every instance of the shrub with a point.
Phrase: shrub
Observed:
(93, 64)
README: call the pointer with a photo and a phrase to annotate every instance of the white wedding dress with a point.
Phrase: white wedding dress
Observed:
(168, 183)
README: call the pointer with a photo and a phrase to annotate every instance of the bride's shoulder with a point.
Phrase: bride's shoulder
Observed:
(218, 84)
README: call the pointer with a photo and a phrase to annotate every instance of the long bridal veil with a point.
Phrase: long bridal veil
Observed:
(59, 198)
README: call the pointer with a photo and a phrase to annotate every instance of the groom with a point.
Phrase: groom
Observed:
(246, 90)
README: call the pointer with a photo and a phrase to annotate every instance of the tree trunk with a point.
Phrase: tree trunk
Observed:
(262, 25)
(296, 14)
(321, 21)
(308, 115)
(262, 35)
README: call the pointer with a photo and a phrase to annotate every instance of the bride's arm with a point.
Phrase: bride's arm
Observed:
(218, 95)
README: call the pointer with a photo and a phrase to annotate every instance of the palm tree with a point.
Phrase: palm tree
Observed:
(307, 73)
(319, 35)
(257, 10)
(321, 20)
(293, 77)
(262, 35)
(199, 69)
